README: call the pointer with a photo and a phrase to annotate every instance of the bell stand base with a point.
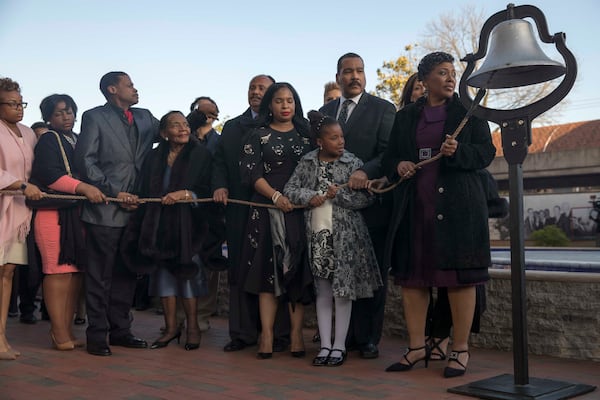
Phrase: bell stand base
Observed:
(516, 136)
(503, 387)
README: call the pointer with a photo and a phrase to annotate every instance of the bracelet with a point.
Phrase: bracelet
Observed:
(187, 195)
(276, 196)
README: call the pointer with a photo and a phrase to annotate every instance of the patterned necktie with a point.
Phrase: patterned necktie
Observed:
(343, 117)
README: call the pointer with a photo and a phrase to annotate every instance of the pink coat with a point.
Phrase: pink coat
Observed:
(16, 158)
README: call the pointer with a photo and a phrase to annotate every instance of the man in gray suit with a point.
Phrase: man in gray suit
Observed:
(367, 122)
(112, 145)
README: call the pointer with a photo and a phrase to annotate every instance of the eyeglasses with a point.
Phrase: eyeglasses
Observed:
(15, 106)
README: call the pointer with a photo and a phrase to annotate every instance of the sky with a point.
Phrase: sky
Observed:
(175, 50)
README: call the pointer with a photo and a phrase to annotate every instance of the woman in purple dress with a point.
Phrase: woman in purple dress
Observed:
(439, 232)
(274, 256)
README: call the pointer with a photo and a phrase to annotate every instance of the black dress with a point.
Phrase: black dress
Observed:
(267, 267)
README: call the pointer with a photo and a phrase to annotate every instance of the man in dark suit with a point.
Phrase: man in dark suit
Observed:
(366, 121)
(112, 145)
(226, 182)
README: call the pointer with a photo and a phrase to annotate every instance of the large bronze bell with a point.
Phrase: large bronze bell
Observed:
(514, 59)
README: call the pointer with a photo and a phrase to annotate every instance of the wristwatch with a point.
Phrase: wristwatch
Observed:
(23, 186)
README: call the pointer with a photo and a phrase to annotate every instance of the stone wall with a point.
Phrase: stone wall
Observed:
(563, 314)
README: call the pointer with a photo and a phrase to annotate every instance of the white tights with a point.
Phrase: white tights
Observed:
(343, 310)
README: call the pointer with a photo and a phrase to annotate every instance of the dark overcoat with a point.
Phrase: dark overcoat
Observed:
(226, 174)
(461, 238)
(171, 236)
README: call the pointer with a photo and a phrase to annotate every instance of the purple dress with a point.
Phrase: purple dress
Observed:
(429, 137)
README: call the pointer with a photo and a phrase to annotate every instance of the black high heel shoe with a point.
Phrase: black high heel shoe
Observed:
(298, 354)
(400, 367)
(437, 354)
(189, 345)
(192, 345)
(267, 355)
(454, 372)
(159, 344)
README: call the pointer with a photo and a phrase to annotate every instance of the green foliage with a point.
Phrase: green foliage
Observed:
(219, 126)
(550, 236)
(392, 76)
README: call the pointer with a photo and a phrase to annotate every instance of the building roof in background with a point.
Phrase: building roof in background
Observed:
(571, 136)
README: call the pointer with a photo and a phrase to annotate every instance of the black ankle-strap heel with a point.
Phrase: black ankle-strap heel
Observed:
(454, 372)
(400, 367)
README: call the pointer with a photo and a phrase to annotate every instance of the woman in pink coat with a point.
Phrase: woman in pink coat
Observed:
(16, 156)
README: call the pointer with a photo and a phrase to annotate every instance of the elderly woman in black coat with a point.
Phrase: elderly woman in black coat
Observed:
(438, 236)
(173, 238)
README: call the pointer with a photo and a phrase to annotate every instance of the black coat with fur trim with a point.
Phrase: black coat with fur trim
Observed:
(170, 236)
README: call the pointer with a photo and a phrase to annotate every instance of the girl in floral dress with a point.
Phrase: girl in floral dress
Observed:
(341, 256)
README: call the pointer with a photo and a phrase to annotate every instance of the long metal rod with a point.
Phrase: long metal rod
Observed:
(517, 257)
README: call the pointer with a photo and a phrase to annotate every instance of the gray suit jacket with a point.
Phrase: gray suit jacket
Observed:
(366, 133)
(105, 158)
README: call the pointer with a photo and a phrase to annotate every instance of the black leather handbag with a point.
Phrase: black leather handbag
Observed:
(49, 203)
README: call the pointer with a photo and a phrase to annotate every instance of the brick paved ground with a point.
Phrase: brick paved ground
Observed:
(210, 373)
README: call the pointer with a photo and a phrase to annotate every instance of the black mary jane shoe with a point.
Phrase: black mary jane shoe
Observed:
(333, 361)
(320, 361)
(264, 356)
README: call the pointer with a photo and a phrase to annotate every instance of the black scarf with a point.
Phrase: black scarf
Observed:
(72, 243)
(170, 236)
